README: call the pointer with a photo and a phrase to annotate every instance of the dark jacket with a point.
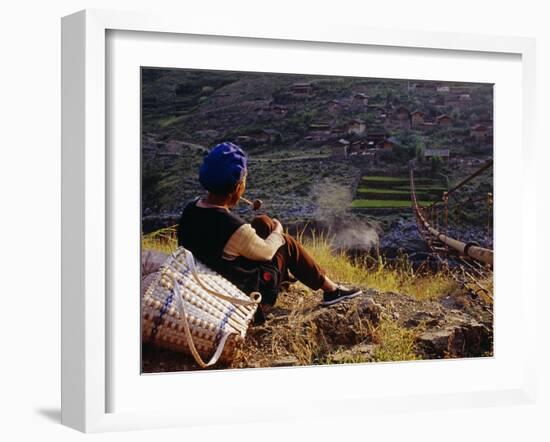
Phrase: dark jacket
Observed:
(205, 232)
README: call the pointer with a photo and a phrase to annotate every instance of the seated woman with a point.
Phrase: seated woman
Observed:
(256, 256)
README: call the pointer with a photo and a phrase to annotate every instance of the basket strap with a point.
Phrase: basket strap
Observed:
(255, 297)
(192, 347)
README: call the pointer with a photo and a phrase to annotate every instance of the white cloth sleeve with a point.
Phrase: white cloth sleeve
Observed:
(246, 242)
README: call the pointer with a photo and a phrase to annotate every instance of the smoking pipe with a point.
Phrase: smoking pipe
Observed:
(255, 205)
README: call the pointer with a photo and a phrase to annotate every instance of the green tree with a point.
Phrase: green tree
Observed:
(435, 164)
(419, 153)
(455, 114)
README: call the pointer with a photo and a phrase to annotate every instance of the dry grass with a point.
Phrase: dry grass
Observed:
(395, 343)
(378, 274)
(392, 343)
(163, 240)
(483, 287)
(297, 339)
(367, 272)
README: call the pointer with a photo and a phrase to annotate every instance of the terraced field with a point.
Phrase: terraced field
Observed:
(388, 192)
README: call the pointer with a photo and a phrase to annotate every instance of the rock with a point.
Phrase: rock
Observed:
(467, 339)
(453, 303)
(340, 358)
(344, 323)
(470, 339)
(254, 364)
(423, 317)
(285, 361)
(435, 343)
(358, 353)
(365, 349)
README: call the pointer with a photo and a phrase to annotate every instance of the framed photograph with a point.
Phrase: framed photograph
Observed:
(279, 214)
(370, 198)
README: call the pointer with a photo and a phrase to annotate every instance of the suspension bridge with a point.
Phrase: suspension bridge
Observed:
(472, 263)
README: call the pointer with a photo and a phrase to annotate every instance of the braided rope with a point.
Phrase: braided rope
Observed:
(255, 297)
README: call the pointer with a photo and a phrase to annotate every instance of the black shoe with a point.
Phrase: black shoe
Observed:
(339, 294)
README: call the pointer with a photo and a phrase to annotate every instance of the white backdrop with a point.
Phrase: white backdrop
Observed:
(30, 222)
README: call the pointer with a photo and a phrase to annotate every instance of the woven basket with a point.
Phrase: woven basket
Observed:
(191, 309)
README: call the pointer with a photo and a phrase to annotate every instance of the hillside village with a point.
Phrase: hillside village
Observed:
(368, 114)
(351, 116)
(313, 139)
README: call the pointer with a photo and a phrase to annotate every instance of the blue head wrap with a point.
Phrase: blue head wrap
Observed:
(223, 168)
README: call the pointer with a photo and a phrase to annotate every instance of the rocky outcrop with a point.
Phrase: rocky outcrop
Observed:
(301, 332)
(345, 323)
(310, 335)
(451, 327)
(462, 340)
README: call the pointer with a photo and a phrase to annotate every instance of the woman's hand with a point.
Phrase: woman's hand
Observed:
(278, 226)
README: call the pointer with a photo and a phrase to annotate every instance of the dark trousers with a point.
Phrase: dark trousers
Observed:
(291, 256)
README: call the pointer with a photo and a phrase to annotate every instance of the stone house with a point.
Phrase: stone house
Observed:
(340, 149)
(318, 131)
(335, 106)
(262, 136)
(444, 120)
(361, 99)
(375, 137)
(417, 118)
(388, 144)
(379, 110)
(441, 153)
(319, 127)
(354, 149)
(357, 126)
(479, 131)
(301, 89)
(273, 135)
(277, 109)
(402, 113)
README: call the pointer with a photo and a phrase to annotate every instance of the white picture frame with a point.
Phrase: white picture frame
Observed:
(86, 206)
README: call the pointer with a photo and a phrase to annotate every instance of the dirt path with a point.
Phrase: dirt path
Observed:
(296, 158)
